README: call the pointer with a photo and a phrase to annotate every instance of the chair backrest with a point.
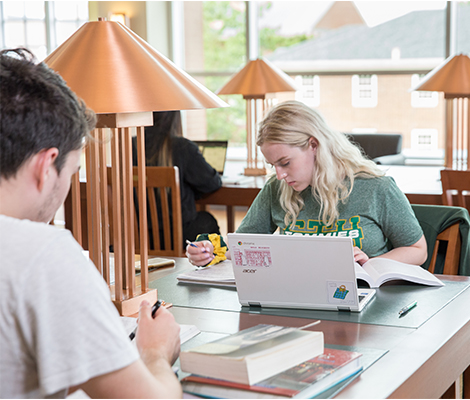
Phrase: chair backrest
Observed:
(455, 180)
(444, 224)
(451, 235)
(164, 209)
(164, 216)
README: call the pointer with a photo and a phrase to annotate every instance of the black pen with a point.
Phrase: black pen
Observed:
(407, 308)
(155, 307)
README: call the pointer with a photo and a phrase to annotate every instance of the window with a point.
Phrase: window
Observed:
(424, 140)
(364, 91)
(309, 92)
(337, 43)
(215, 49)
(421, 98)
(23, 24)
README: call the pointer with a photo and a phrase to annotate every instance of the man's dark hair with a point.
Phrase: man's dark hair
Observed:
(37, 111)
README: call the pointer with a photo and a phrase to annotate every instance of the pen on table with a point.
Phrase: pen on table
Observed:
(407, 308)
(155, 307)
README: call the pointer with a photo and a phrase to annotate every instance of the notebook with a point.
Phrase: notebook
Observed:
(215, 153)
(311, 272)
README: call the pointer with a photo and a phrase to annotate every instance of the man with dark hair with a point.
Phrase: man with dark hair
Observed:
(58, 327)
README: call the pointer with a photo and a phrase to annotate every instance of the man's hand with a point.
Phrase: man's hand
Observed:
(159, 336)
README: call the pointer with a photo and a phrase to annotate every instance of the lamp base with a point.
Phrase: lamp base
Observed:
(255, 171)
(131, 306)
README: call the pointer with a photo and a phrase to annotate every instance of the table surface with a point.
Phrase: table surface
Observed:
(421, 357)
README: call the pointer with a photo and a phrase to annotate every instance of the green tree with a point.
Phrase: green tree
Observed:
(224, 36)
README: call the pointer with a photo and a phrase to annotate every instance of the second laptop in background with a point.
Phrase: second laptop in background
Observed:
(214, 152)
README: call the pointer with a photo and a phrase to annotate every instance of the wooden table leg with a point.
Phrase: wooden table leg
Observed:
(230, 219)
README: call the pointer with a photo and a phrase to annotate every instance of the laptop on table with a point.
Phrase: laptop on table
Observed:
(310, 272)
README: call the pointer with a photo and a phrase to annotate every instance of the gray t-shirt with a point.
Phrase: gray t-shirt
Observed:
(377, 215)
(58, 326)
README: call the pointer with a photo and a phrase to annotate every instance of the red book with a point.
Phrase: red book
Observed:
(305, 380)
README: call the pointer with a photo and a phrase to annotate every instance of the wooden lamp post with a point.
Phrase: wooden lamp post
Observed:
(254, 82)
(123, 79)
(453, 78)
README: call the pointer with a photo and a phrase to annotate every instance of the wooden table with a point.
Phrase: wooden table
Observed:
(420, 362)
(231, 195)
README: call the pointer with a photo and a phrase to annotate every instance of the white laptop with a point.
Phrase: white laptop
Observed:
(311, 272)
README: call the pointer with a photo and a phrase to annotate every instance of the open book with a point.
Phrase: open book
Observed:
(377, 271)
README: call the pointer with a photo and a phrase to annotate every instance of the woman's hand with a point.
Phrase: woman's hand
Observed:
(200, 253)
(359, 256)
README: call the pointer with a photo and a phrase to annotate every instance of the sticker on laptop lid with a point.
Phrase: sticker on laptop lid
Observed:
(249, 255)
(340, 293)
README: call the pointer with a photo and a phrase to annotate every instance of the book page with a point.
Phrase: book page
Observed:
(362, 274)
(382, 270)
(245, 338)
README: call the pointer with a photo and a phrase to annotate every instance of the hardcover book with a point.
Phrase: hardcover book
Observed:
(253, 354)
(305, 380)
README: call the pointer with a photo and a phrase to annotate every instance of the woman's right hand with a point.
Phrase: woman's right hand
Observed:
(202, 254)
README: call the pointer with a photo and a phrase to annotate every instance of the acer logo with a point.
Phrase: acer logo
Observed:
(249, 271)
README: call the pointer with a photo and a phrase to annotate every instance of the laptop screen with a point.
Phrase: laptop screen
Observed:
(215, 153)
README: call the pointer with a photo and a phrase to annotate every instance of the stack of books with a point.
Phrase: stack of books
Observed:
(306, 380)
(266, 361)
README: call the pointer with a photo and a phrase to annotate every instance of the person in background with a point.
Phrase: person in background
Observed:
(165, 146)
(59, 330)
(324, 186)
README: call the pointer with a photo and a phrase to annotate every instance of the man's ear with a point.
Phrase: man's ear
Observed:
(44, 165)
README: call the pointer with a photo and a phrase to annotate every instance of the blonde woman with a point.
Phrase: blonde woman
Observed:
(324, 186)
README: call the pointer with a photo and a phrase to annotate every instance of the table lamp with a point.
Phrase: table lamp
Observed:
(123, 79)
(254, 82)
(453, 78)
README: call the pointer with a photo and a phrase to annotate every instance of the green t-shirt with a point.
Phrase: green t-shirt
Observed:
(377, 215)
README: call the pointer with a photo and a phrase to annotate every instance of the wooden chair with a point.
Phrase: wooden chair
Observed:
(455, 180)
(443, 224)
(451, 235)
(163, 211)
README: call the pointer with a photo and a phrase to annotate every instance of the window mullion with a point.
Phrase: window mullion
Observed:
(50, 26)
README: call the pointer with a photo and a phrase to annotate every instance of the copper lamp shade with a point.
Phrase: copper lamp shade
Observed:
(116, 71)
(258, 78)
(453, 78)
(254, 82)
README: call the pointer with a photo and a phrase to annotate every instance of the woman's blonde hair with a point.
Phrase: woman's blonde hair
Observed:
(337, 160)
